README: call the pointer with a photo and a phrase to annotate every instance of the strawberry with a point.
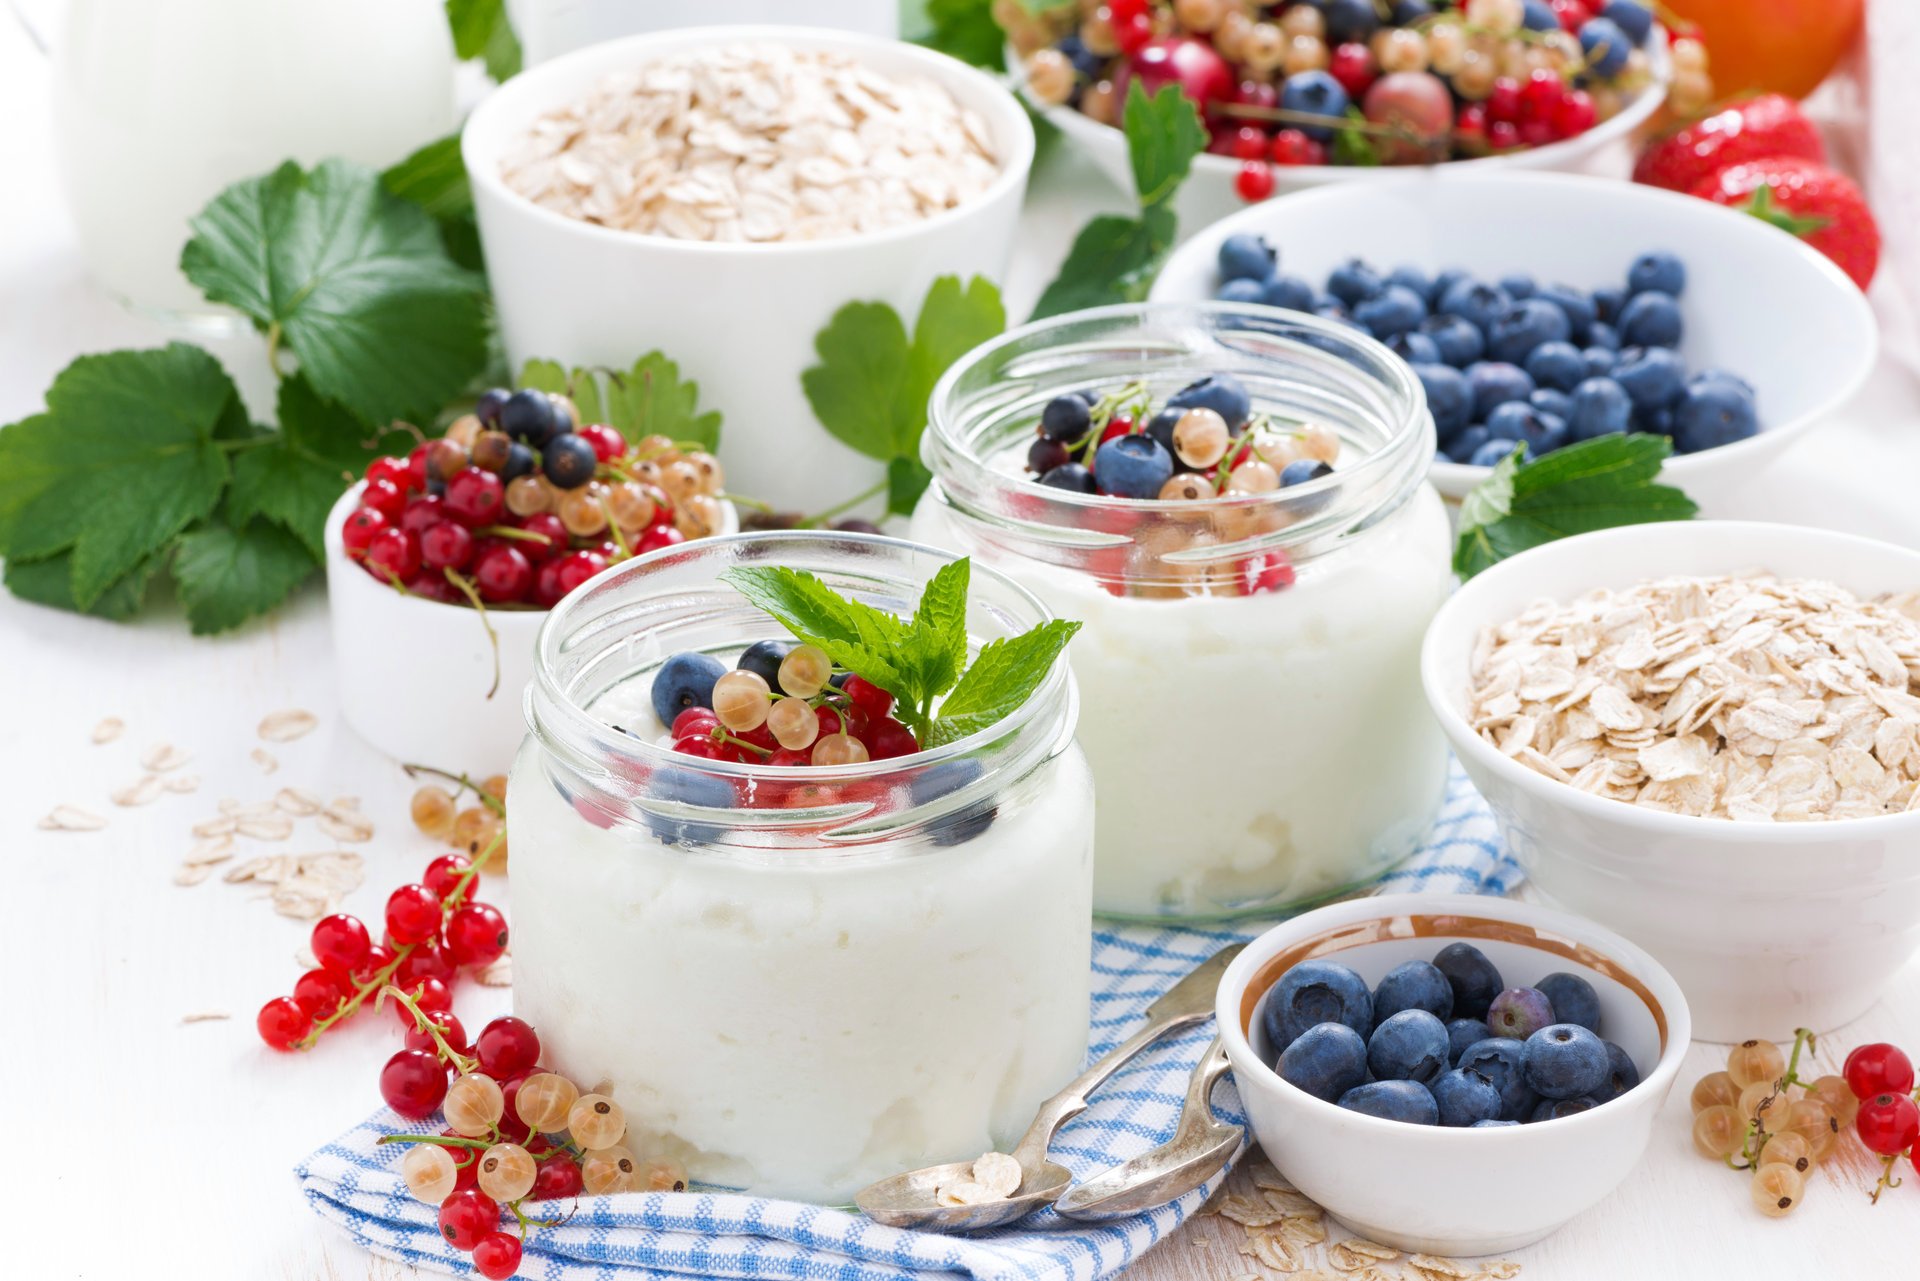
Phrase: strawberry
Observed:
(1811, 201)
(1770, 125)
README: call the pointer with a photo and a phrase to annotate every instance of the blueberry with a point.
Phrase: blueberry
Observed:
(1334, 311)
(1493, 453)
(1407, 12)
(1558, 365)
(1651, 376)
(1044, 455)
(528, 415)
(1415, 279)
(1444, 280)
(687, 787)
(1721, 376)
(1316, 93)
(1495, 382)
(1573, 999)
(1655, 421)
(1475, 980)
(1555, 1109)
(685, 680)
(763, 658)
(1247, 256)
(1448, 397)
(1087, 64)
(1222, 393)
(1607, 302)
(520, 462)
(1712, 413)
(1317, 992)
(1599, 360)
(1501, 1062)
(1554, 403)
(1464, 1034)
(1524, 326)
(1576, 306)
(1302, 470)
(1658, 272)
(1600, 407)
(1519, 420)
(1408, 1046)
(1242, 290)
(1538, 15)
(569, 461)
(1459, 342)
(1462, 448)
(1519, 1012)
(1326, 1060)
(963, 824)
(1518, 285)
(1491, 1125)
(1605, 47)
(1161, 426)
(1290, 292)
(1071, 477)
(1414, 348)
(1632, 17)
(1353, 282)
(1464, 1097)
(1407, 1101)
(1412, 985)
(1394, 310)
(1349, 20)
(1622, 1074)
(1132, 466)
(1564, 1061)
(1650, 320)
(487, 408)
(1478, 303)
(1066, 418)
(1603, 336)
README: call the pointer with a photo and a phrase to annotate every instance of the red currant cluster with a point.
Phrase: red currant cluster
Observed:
(517, 506)
(434, 930)
(1888, 1122)
(809, 721)
(515, 1132)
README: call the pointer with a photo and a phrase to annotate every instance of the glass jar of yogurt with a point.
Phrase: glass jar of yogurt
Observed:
(1249, 665)
(798, 979)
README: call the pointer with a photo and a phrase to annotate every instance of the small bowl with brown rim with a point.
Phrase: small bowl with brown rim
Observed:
(1458, 1192)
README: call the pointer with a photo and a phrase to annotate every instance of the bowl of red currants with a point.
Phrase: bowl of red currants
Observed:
(442, 565)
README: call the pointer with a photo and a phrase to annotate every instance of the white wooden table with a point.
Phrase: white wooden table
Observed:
(152, 1147)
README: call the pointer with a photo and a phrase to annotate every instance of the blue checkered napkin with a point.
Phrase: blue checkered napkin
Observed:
(356, 1184)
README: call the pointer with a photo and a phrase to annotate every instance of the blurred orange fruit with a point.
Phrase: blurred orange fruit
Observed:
(1782, 46)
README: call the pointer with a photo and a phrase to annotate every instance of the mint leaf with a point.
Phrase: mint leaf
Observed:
(228, 575)
(965, 29)
(296, 476)
(481, 30)
(1003, 676)
(1164, 134)
(1596, 484)
(864, 640)
(937, 634)
(123, 459)
(649, 399)
(352, 278)
(435, 179)
(50, 582)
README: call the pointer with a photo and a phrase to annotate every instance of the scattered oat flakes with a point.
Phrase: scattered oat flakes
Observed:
(1435, 1268)
(1275, 1251)
(181, 784)
(1250, 1214)
(1501, 1269)
(266, 760)
(215, 849)
(109, 729)
(997, 1172)
(285, 726)
(296, 801)
(192, 873)
(162, 757)
(265, 827)
(344, 824)
(496, 973)
(966, 1194)
(1355, 1253)
(208, 1016)
(146, 789)
(222, 826)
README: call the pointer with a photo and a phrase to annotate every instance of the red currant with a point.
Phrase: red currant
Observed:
(476, 934)
(694, 721)
(1535, 133)
(1470, 126)
(475, 496)
(445, 872)
(413, 1083)
(1353, 66)
(417, 465)
(340, 943)
(868, 697)
(657, 537)
(449, 1024)
(425, 962)
(384, 497)
(447, 545)
(319, 992)
(547, 526)
(468, 1215)
(1574, 114)
(1293, 147)
(1888, 1123)
(431, 995)
(392, 470)
(1573, 14)
(1877, 1068)
(833, 720)
(502, 573)
(1132, 34)
(1271, 573)
(379, 957)
(1503, 101)
(1503, 135)
(1126, 10)
(497, 1256)
(413, 914)
(1248, 143)
(890, 739)
(1117, 426)
(510, 1123)
(282, 1022)
(1254, 182)
(1540, 95)
(505, 1046)
(608, 444)
(558, 1177)
(393, 555)
(423, 513)
(360, 530)
(789, 758)
(701, 747)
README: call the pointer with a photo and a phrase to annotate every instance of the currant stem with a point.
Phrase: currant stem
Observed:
(864, 496)
(1803, 1038)
(487, 798)
(524, 535)
(380, 979)
(1886, 1178)
(467, 589)
(461, 1063)
(619, 537)
(437, 1140)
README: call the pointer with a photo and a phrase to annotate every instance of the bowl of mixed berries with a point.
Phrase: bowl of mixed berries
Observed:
(1306, 92)
(459, 549)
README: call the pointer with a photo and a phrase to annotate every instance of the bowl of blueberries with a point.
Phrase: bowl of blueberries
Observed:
(1448, 1073)
(1541, 310)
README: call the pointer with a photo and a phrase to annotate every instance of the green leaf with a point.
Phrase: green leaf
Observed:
(965, 29)
(228, 575)
(296, 477)
(1164, 134)
(1002, 677)
(123, 459)
(352, 278)
(1351, 146)
(481, 30)
(1596, 484)
(1113, 260)
(907, 479)
(648, 400)
(866, 641)
(50, 582)
(435, 179)
(953, 320)
(938, 630)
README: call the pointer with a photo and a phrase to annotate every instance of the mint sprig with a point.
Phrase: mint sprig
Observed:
(1596, 484)
(917, 660)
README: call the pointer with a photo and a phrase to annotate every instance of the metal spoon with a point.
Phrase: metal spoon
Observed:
(1200, 1148)
(910, 1200)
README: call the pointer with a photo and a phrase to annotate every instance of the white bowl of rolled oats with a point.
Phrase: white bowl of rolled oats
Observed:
(719, 193)
(1707, 737)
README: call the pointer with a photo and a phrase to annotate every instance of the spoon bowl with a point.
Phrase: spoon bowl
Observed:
(911, 1200)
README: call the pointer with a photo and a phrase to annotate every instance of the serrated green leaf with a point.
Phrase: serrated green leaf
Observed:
(907, 479)
(1002, 678)
(354, 280)
(123, 460)
(649, 399)
(965, 29)
(1114, 259)
(866, 641)
(296, 477)
(228, 575)
(481, 30)
(435, 179)
(938, 629)
(1596, 484)
(953, 320)
(1164, 134)
(50, 582)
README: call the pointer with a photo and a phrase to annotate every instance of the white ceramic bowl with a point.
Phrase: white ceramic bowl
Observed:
(1768, 926)
(1742, 276)
(413, 674)
(1452, 1191)
(739, 318)
(1208, 193)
